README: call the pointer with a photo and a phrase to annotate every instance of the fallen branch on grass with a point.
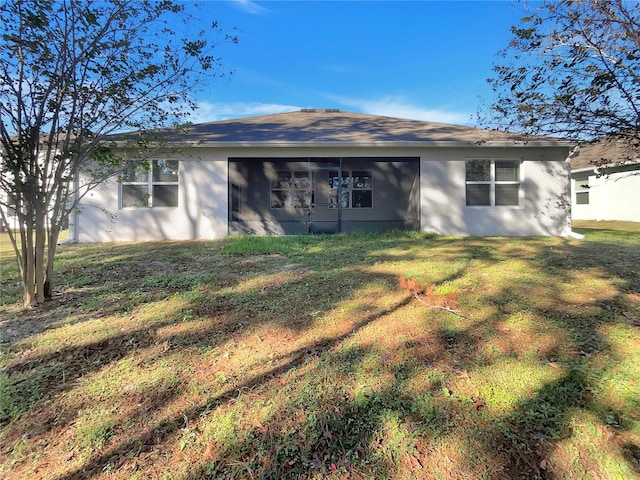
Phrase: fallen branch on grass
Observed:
(429, 298)
(440, 307)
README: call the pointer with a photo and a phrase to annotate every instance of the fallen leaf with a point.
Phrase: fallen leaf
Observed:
(478, 403)
(260, 427)
(543, 465)
(458, 371)
(607, 432)
(415, 461)
(385, 358)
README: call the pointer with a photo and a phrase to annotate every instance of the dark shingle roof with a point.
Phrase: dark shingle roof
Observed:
(604, 152)
(333, 126)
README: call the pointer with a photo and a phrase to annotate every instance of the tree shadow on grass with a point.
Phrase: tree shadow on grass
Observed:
(528, 438)
(33, 377)
(45, 376)
(168, 427)
(353, 431)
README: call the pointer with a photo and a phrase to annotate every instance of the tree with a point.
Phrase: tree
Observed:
(71, 73)
(572, 69)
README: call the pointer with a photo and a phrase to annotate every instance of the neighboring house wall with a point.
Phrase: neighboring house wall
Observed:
(612, 194)
(203, 209)
(9, 213)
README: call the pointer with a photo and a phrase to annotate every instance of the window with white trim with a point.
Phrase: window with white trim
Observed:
(152, 184)
(356, 189)
(492, 183)
(582, 194)
(581, 187)
(292, 189)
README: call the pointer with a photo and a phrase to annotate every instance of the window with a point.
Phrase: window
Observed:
(292, 189)
(582, 193)
(356, 189)
(492, 182)
(582, 198)
(153, 184)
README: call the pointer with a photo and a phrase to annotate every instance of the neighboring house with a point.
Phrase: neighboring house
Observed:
(605, 183)
(327, 171)
(8, 197)
(6, 205)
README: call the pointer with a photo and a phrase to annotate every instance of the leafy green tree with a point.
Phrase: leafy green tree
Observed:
(572, 69)
(71, 73)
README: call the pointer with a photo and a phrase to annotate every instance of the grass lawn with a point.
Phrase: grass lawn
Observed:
(311, 357)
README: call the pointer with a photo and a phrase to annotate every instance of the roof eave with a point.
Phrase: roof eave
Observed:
(605, 167)
(582, 169)
(374, 144)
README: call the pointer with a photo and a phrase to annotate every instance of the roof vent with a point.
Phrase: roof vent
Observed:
(325, 110)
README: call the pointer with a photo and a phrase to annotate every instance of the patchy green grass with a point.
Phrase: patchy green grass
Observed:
(609, 232)
(301, 357)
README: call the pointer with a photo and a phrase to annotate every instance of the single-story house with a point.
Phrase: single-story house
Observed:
(605, 182)
(328, 171)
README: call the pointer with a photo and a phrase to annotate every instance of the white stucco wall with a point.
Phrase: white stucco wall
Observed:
(201, 211)
(544, 208)
(613, 196)
(203, 195)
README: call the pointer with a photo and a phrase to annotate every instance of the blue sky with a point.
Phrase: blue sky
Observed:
(424, 60)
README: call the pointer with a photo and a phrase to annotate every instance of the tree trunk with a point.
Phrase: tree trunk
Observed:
(29, 265)
(40, 266)
(54, 233)
(17, 248)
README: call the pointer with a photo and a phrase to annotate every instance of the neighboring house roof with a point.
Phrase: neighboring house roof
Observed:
(605, 153)
(329, 126)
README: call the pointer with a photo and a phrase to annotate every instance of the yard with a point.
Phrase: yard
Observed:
(401, 355)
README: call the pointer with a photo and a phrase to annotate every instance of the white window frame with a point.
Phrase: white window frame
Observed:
(150, 183)
(582, 187)
(492, 182)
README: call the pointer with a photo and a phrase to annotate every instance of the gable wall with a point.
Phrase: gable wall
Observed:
(202, 212)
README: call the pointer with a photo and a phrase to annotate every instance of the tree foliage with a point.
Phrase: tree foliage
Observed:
(572, 69)
(71, 73)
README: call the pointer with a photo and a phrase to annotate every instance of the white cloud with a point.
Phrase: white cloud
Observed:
(250, 7)
(213, 111)
(391, 106)
(397, 106)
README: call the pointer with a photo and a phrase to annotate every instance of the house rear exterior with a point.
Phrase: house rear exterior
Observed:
(326, 171)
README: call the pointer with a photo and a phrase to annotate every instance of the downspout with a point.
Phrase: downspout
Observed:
(73, 215)
(602, 191)
(573, 153)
